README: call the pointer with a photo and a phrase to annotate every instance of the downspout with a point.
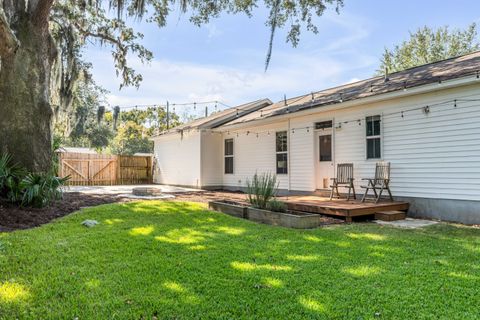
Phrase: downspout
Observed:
(289, 167)
(199, 180)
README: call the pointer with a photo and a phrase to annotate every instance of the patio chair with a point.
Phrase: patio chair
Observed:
(380, 182)
(344, 179)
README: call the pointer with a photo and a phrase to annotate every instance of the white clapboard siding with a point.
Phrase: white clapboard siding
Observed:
(178, 159)
(434, 155)
(302, 169)
(212, 159)
(253, 154)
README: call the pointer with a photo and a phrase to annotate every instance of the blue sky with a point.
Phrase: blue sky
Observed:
(224, 60)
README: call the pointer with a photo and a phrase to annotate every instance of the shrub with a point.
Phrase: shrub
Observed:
(277, 206)
(41, 189)
(10, 177)
(28, 189)
(261, 189)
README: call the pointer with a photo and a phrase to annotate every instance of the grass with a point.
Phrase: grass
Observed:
(171, 260)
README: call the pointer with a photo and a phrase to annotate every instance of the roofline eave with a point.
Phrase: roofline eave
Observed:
(458, 82)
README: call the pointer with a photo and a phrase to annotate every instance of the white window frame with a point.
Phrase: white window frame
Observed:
(374, 137)
(281, 152)
(225, 156)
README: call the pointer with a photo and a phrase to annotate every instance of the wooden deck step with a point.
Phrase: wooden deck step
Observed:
(390, 215)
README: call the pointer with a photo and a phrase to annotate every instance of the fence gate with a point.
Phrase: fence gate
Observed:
(98, 169)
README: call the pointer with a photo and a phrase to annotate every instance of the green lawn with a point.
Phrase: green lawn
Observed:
(171, 260)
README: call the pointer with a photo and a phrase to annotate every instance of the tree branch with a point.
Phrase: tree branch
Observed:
(8, 41)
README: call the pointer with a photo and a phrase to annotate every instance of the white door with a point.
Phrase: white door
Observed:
(324, 157)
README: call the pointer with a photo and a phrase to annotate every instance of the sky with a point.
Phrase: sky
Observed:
(224, 60)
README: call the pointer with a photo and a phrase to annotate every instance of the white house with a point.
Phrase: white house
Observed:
(425, 121)
(190, 155)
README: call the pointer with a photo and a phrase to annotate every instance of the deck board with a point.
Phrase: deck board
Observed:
(341, 207)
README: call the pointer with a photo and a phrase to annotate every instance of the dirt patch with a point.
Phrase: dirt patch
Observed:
(14, 218)
(207, 196)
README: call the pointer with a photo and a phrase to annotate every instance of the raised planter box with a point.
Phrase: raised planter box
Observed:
(289, 220)
(229, 208)
(300, 220)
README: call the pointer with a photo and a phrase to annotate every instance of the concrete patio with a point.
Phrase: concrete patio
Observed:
(127, 189)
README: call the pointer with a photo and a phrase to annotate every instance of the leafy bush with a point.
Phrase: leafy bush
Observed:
(261, 189)
(10, 177)
(277, 206)
(28, 189)
(41, 189)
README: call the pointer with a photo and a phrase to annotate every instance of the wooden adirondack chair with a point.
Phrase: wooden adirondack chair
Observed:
(344, 179)
(380, 182)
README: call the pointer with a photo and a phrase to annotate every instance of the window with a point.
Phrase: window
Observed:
(325, 147)
(373, 137)
(282, 152)
(228, 156)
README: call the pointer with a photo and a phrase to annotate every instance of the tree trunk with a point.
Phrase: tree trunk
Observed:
(25, 111)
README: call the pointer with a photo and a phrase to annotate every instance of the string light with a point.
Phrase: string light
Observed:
(339, 125)
(426, 109)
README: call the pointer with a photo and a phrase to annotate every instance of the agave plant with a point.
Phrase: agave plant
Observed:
(261, 189)
(41, 189)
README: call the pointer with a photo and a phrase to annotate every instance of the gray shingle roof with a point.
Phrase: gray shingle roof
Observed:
(222, 117)
(449, 69)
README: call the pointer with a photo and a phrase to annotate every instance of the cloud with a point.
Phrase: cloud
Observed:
(178, 81)
(237, 75)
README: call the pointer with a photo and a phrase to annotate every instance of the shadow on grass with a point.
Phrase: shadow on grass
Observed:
(171, 259)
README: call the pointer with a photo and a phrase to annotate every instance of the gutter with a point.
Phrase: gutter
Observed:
(446, 84)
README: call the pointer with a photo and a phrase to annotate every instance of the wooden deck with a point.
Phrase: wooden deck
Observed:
(342, 207)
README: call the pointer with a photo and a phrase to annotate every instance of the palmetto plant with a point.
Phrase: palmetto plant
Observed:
(41, 189)
(10, 176)
(28, 189)
(261, 189)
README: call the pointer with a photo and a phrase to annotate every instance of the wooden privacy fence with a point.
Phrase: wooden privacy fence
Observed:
(87, 169)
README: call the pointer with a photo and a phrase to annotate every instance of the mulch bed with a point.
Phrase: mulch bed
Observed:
(14, 218)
